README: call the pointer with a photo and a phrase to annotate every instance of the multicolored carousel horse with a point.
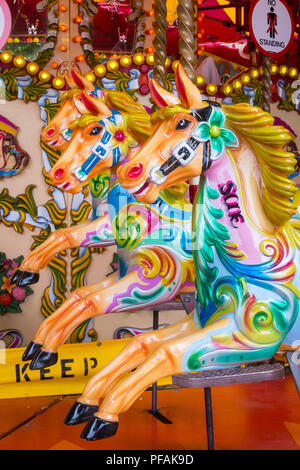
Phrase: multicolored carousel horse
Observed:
(245, 246)
(154, 241)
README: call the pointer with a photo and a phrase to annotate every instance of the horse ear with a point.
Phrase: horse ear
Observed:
(92, 105)
(81, 82)
(161, 96)
(188, 92)
(70, 81)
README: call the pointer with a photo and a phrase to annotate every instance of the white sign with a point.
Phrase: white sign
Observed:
(5, 22)
(271, 26)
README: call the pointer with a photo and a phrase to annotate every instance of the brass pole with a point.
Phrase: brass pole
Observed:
(160, 41)
(187, 41)
(266, 84)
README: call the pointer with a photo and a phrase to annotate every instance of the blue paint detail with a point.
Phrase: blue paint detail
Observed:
(106, 137)
(204, 315)
(100, 149)
(8, 172)
(116, 155)
(90, 163)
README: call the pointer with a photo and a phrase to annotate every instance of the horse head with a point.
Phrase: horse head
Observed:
(102, 137)
(175, 151)
(57, 133)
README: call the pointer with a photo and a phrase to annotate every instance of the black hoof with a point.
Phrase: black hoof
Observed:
(31, 351)
(80, 413)
(24, 278)
(97, 428)
(43, 359)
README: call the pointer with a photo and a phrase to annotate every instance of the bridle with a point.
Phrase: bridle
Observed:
(101, 150)
(185, 151)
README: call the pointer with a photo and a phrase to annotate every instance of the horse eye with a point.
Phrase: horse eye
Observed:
(96, 130)
(183, 124)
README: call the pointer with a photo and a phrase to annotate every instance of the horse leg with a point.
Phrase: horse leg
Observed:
(131, 356)
(212, 347)
(58, 241)
(121, 296)
(76, 296)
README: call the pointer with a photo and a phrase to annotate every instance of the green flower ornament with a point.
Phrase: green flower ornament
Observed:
(218, 136)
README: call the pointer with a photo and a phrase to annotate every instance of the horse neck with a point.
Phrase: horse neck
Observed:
(240, 166)
(226, 203)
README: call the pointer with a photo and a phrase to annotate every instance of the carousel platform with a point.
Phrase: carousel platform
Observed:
(251, 416)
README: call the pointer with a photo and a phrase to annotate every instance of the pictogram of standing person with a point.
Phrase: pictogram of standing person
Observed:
(272, 22)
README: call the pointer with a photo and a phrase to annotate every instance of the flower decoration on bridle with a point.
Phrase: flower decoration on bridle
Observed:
(214, 132)
(120, 136)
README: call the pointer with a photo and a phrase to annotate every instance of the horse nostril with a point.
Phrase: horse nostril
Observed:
(135, 171)
(59, 173)
(50, 131)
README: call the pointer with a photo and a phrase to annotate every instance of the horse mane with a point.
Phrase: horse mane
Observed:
(70, 93)
(276, 165)
(138, 120)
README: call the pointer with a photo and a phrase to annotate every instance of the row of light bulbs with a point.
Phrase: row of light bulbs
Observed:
(139, 59)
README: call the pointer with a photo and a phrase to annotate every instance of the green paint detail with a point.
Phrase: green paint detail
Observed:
(99, 184)
(209, 233)
(231, 357)
(142, 296)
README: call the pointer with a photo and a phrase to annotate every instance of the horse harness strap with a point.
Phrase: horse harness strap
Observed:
(184, 152)
(100, 150)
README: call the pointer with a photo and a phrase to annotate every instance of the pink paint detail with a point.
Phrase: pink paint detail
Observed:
(144, 89)
(66, 185)
(59, 173)
(246, 237)
(89, 104)
(180, 87)
(119, 136)
(50, 131)
(7, 23)
(156, 97)
(77, 80)
(135, 171)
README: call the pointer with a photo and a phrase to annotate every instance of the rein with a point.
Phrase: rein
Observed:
(101, 150)
(184, 152)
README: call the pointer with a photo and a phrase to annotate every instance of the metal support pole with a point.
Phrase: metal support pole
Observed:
(209, 418)
(154, 411)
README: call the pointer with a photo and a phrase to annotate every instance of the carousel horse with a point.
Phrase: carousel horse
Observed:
(154, 241)
(57, 135)
(245, 246)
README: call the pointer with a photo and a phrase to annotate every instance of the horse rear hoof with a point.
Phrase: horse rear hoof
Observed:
(24, 278)
(80, 413)
(97, 429)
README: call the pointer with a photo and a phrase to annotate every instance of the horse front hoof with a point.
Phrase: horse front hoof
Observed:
(80, 413)
(24, 278)
(31, 351)
(97, 429)
(43, 359)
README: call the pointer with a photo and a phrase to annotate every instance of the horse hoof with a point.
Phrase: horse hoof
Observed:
(31, 351)
(80, 413)
(97, 428)
(43, 359)
(24, 278)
